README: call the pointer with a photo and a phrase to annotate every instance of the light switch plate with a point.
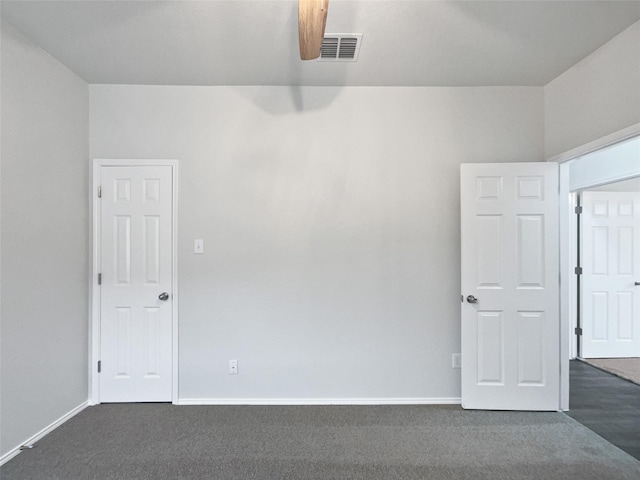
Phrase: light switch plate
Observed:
(198, 246)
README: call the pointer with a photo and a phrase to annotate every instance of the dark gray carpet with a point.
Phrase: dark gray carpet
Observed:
(607, 404)
(160, 441)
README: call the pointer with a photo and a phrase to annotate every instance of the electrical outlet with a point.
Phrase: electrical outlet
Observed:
(456, 360)
(233, 367)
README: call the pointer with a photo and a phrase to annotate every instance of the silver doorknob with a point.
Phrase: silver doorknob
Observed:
(163, 296)
(472, 299)
(637, 284)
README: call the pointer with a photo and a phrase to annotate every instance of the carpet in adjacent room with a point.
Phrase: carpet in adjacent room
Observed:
(627, 368)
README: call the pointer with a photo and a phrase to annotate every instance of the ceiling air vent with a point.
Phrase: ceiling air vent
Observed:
(340, 47)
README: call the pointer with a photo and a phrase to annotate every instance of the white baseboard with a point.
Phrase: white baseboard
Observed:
(320, 401)
(31, 440)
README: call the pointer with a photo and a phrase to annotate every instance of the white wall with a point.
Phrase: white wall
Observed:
(331, 226)
(598, 96)
(619, 161)
(44, 240)
(591, 105)
(632, 185)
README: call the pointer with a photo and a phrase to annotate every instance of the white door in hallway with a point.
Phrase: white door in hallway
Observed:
(610, 251)
(510, 286)
(135, 293)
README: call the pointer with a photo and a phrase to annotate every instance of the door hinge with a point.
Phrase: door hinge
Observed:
(578, 270)
(578, 331)
(578, 210)
(99, 192)
(99, 279)
(99, 366)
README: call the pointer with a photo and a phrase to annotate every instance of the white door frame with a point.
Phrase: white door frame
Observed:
(568, 240)
(94, 321)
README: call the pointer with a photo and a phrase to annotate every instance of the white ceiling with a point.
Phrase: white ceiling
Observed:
(241, 42)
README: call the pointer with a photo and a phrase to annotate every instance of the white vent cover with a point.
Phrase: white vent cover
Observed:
(340, 47)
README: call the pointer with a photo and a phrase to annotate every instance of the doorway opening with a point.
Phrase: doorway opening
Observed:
(599, 292)
(608, 277)
(613, 158)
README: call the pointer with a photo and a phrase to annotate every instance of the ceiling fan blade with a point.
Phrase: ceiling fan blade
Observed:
(312, 19)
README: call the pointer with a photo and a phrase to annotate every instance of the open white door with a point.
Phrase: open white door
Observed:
(135, 258)
(610, 251)
(510, 286)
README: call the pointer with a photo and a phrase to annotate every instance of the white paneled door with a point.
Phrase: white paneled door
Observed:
(135, 292)
(510, 286)
(610, 298)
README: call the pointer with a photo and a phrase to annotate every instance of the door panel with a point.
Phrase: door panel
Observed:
(531, 359)
(490, 348)
(610, 241)
(489, 259)
(510, 264)
(136, 266)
